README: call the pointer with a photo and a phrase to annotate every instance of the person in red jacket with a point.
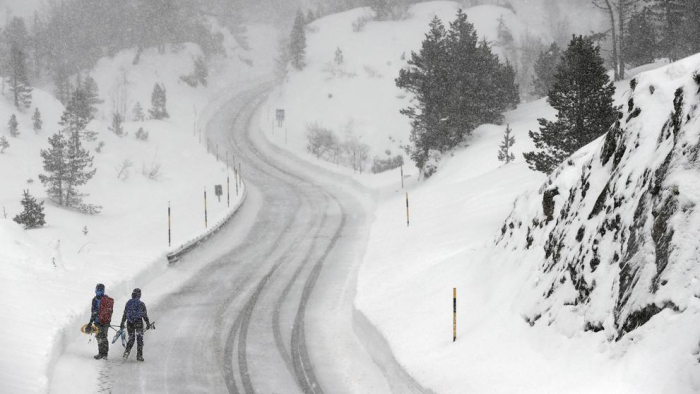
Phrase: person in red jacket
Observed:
(101, 318)
(135, 315)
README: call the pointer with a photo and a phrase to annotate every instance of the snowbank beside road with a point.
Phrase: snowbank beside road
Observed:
(49, 273)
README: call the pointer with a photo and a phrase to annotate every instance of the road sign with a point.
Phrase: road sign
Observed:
(280, 117)
(219, 191)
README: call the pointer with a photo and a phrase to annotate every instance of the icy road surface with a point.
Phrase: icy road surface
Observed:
(266, 304)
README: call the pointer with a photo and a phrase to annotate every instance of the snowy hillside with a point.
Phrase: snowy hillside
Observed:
(359, 98)
(405, 285)
(57, 266)
(614, 230)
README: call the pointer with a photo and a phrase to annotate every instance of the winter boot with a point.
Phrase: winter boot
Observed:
(126, 355)
(100, 356)
(139, 353)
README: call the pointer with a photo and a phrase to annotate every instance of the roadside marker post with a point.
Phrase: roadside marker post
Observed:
(228, 192)
(402, 176)
(206, 224)
(408, 221)
(454, 314)
(169, 226)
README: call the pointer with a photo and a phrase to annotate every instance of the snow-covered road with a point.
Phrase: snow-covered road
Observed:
(267, 304)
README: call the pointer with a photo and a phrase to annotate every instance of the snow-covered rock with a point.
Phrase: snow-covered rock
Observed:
(614, 230)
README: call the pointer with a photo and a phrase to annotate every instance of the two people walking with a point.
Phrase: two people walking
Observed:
(135, 314)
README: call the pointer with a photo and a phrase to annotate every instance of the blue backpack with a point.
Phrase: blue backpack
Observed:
(134, 312)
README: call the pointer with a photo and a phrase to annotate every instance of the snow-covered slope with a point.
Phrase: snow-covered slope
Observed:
(47, 275)
(359, 97)
(614, 231)
(405, 285)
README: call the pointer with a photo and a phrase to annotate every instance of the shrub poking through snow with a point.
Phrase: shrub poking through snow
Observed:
(118, 125)
(38, 123)
(152, 171)
(321, 142)
(339, 59)
(390, 163)
(4, 144)
(124, 170)
(505, 153)
(141, 134)
(159, 101)
(359, 24)
(13, 126)
(33, 214)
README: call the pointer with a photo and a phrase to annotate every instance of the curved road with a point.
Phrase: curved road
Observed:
(272, 314)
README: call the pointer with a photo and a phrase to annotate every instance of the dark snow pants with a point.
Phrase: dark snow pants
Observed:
(102, 341)
(135, 331)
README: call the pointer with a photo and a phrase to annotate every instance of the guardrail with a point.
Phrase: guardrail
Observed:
(176, 254)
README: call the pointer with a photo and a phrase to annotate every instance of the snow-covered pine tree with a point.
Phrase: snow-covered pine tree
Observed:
(117, 125)
(4, 144)
(583, 97)
(201, 70)
(339, 57)
(92, 94)
(54, 160)
(158, 103)
(427, 81)
(640, 40)
(62, 84)
(38, 123)
(13, 126)
(138, 114)
(33, 214)
(691, 27)
(670, 15)
(545, 69)
(78, 170)
(18, 78)
(77, 115)
(458, 84)
(504, 150)
(297, 42)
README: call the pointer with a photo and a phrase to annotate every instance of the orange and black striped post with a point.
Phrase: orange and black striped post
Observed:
(454, 314)
(408, 221)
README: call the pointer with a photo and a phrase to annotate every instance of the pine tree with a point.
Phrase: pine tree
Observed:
(62, 84)
(92, 94)
(583, 97)
(427, 79)
(670, 14)
(201, 70)
(545, 69)
(117, 125)
(78, 170)
(138, 114)
(339, 57)
(158, 103)
(297, 42)
(691, 27)
(18, 78)
(77, 115)
(55, 167)
(38, 123)
(504, 151)
(4, 144)
(33, 214)
(640, 40)
(458, 84)
(13, 126)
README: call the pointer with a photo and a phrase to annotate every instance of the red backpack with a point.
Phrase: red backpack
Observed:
(105, 313)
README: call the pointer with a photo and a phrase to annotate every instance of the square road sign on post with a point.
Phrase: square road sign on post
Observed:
(219, 191)
(280, 117)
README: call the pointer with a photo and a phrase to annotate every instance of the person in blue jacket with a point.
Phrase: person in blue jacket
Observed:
(134, 315)
(101, 336)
